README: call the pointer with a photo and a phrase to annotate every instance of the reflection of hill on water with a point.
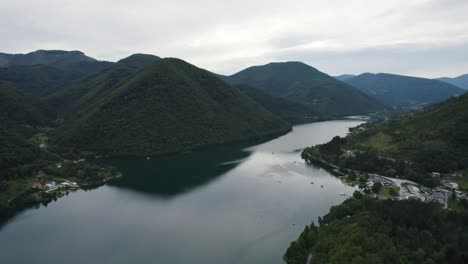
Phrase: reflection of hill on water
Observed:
(171, 175)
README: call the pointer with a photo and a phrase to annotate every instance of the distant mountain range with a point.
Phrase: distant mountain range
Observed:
(343, 77)
(403, 91)
(42, 73)
(144, 104)
(304, 84)
(460, 81)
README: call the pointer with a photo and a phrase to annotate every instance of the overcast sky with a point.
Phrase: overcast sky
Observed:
(413, 37)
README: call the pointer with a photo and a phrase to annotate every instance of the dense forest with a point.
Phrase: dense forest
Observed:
(168, 106)
(403, 91)
(363, 230)
(293, 112)
(304, 84)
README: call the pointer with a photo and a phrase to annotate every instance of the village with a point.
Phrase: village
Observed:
(384, 187)
(405, 189)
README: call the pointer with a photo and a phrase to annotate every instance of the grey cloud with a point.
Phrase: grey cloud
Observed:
(424, 37)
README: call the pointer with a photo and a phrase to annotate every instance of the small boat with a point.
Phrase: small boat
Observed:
(147, 158)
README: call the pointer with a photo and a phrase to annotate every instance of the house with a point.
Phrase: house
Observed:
(36, 185)
(451, 185)
(435, 174)
(58, 165)
(438, 196)
(50, 184)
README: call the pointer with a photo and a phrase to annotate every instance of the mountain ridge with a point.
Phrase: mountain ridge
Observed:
(304, 84)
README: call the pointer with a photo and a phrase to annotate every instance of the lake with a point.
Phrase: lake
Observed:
(231, 204)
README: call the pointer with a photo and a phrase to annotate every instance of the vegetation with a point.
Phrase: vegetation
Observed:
(403, 91)
(168, 106)
(42, 73)
(138, 61)
(363, 230)
(294, 113)
(460, 81)
(431, 140)
(303, 84)
(17, 108)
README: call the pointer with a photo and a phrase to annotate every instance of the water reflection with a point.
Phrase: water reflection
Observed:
(172, 175)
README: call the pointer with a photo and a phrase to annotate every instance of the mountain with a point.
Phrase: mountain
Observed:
(301, 83)
(403, 91)
(89, 88)
(19, 109)
(58, 58)
(460, 81)
(436, 138)
(167, 106)
(343, 77)
(138, 60)
(42, 73)
(294, 113)
(35, 80)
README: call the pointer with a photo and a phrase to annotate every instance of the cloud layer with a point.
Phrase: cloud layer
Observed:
(414, 37)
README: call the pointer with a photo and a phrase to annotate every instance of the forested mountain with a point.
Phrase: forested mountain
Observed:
(288, 110)
(403, 91)
(301, 83)
(413, 146)
(89, 88)
(58, 58)
(168, 106)
(18, 109)
(42, 73)
(460, 81)
(34, 80)
(139, 60)
(343, 77)
(364, 230)
(435, 137)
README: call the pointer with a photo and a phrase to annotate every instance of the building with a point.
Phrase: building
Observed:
(438, 196)
(50, 184)
(37, 185)
(451, 185)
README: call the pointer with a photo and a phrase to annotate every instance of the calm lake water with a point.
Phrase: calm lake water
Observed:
(232, 204)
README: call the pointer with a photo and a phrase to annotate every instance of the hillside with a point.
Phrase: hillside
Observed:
(413, 146)
(19, 109)
(343, 77)
(88, 89)
(460, 81)
(42, 73)
(166, 107)
(294, 113)
(403, 91)
(301, 83)
(364, 230)
(48, 57)
(139, 60)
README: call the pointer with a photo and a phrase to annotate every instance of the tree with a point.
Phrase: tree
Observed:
(376, 188)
